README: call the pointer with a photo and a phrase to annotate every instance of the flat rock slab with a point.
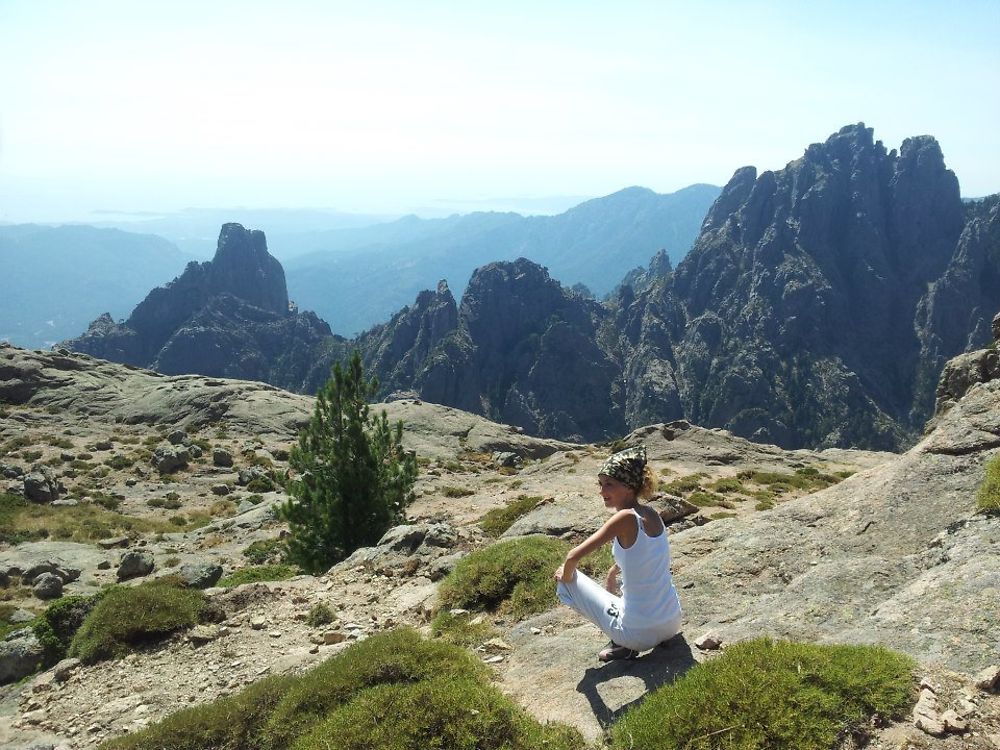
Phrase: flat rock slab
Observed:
(557, 676)
(83, 557)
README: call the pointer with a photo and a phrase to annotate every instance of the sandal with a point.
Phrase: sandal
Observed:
(614, 652)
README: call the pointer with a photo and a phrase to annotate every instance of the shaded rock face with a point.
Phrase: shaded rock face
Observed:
(524, 352)
(792, 320)
(225, 318)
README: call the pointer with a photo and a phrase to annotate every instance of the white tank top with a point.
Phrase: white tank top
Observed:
(649, 598)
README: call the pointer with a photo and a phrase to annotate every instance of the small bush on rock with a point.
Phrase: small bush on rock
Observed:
(498, 520)
(260, 573)
(513, 577)
(399, 656)
(988, 500)
(57, 625)
(458, 714)
(772, 694)
(127, 617)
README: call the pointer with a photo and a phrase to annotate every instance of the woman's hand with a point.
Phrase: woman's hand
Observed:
(566, 573)
(611, 581)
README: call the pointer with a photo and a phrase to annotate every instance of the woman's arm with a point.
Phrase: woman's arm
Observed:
(611, 528)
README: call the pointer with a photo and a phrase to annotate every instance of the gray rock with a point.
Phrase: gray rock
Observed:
(66, 573)
(200, 575)
(221, 489)
(244, 506)
(177, 437)
(11, 471)
(201, 634)
(988, 679)
(20, 655)
(444, 565)
(41, 486)
(195, 451)
(64, 669)
(113, 542)
(506, 459)
(47, 586)
(403, 538)
(20, 616)
(221, 457)
(250, 473)
(103, 445)
(168, 460)
(135, 564)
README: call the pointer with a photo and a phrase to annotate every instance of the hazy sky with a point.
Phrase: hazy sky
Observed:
(390, 106)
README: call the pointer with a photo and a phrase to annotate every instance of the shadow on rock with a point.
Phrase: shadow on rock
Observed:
(659, 667)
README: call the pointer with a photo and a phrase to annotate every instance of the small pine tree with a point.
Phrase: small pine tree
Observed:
(354, 478)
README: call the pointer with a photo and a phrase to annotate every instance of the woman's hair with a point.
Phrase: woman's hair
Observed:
(648, 484)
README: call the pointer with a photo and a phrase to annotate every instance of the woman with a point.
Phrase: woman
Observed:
(648, 611)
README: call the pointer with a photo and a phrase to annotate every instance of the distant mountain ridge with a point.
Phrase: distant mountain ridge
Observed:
(57, 278)
(361, 276)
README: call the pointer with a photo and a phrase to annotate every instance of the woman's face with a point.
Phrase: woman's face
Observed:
(616, 494)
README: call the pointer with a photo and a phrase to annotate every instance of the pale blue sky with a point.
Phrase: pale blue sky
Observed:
(388, 106)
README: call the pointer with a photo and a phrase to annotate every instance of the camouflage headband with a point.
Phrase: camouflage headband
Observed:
(627, 467)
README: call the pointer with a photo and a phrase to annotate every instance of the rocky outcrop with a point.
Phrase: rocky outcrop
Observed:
(525, 353)
(228, 317)
(954, 314)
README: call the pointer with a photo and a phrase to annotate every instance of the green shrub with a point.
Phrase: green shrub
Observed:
(263, 551)
(57, 625)
(988, 498)
(398, 656)
(59, 442)
(458, 714)
(513, 577)
(451, 491)
(260, 573)
(320, 614)
(126, 617)
(498, 520)
(30, 456)
(766, 694)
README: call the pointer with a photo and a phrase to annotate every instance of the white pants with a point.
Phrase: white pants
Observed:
(604, 609)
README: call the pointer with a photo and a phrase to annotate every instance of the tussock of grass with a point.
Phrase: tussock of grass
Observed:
(727, 485)
(988, 498)
(458, 714)
(685, 484)
(772, 694)
(513, 577)
(259, 573)
(127, 617)
(399, 656)
(460, 629)
(709, 499)
(498, 520)
(393, 690)
(452, 491)
(263, 551)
